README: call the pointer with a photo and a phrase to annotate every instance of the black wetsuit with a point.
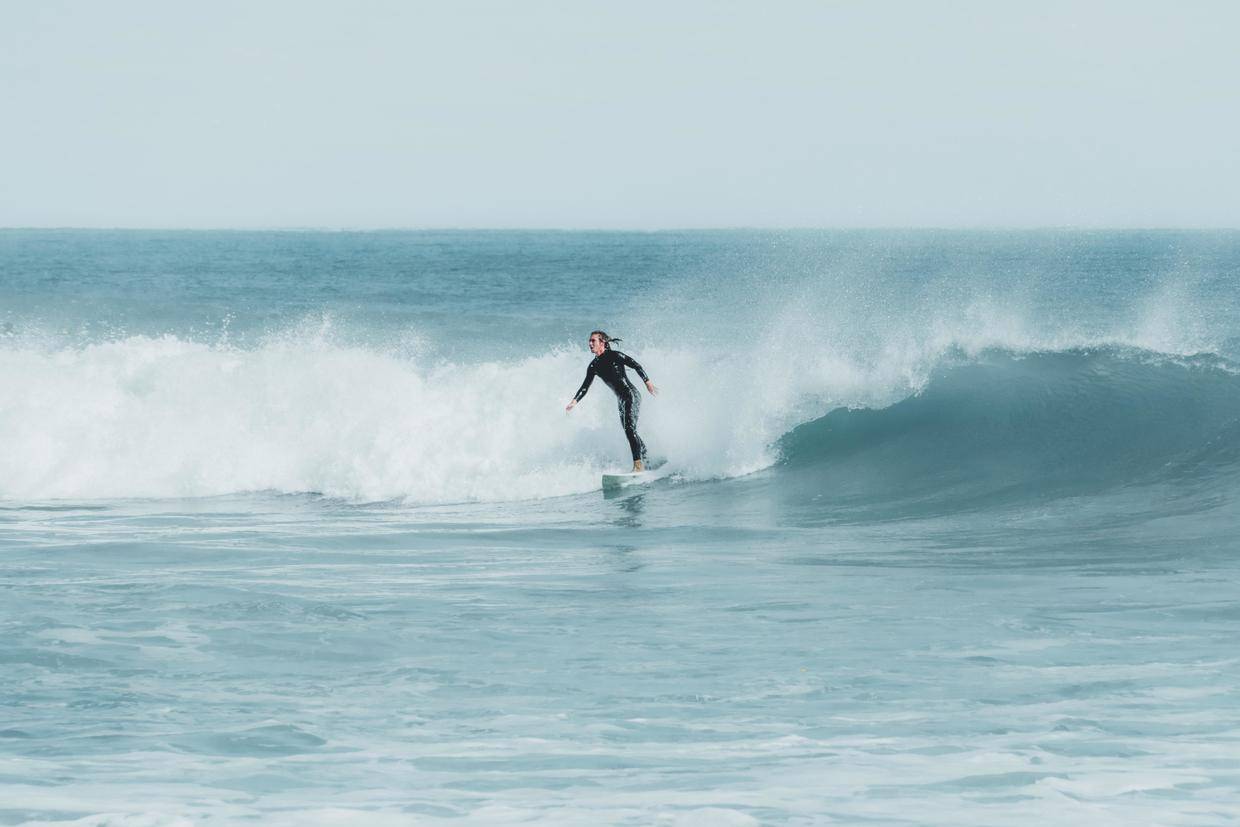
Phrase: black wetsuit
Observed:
(609, 366)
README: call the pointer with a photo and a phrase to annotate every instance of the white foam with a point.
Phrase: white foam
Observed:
(166, 417)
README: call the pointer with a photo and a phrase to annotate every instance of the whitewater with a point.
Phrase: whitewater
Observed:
(294, 528)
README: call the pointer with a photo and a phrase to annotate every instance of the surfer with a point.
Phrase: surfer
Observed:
(610, 364)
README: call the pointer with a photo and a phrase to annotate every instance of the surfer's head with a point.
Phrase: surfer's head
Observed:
(600, 341)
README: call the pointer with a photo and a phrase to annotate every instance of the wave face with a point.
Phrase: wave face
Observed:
(1021, 427)
(433, 368)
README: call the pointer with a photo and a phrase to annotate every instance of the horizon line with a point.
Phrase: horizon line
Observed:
(288, 228)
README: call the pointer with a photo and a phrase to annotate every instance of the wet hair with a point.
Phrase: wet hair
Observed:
(607, 340)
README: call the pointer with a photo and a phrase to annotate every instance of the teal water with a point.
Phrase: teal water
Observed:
(294, 529)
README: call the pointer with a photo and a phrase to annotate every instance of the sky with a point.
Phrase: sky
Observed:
(634, 115)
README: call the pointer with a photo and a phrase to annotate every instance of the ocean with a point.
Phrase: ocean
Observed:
(295, 530)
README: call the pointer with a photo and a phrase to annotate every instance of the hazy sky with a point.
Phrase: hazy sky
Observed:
(593, 114)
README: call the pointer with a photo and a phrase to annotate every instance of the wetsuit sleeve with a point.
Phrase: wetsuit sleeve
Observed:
(631, 362)
(585, 386)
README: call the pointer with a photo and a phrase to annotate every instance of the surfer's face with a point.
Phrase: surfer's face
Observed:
(596, 345)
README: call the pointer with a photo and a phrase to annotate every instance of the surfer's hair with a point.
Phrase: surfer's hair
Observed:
(607, 340)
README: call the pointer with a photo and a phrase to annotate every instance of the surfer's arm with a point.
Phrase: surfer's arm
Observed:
(631, 362)
(585, 386)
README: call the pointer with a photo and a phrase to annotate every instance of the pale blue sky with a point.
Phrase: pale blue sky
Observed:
(626, 115)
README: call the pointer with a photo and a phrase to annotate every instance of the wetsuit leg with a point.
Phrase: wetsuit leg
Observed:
(630, 405)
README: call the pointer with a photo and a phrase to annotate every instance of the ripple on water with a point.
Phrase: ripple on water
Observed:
(261, 741)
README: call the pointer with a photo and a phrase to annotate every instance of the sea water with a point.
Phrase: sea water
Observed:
(294, 529)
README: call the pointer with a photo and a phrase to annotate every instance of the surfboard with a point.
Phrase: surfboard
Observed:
(623, 479)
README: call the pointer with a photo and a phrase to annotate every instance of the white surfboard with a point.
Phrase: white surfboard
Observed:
(623, 479)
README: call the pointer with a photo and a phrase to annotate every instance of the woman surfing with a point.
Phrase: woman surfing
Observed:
(609, 365)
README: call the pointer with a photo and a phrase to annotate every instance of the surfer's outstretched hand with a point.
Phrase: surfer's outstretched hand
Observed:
(570, 406)
(650, 387)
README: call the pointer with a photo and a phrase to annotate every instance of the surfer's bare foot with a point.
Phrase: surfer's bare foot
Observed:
(637, 465)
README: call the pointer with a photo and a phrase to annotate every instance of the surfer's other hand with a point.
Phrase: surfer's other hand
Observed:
(650, 387)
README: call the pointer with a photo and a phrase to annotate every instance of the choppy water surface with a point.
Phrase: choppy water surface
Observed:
(294, 530)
